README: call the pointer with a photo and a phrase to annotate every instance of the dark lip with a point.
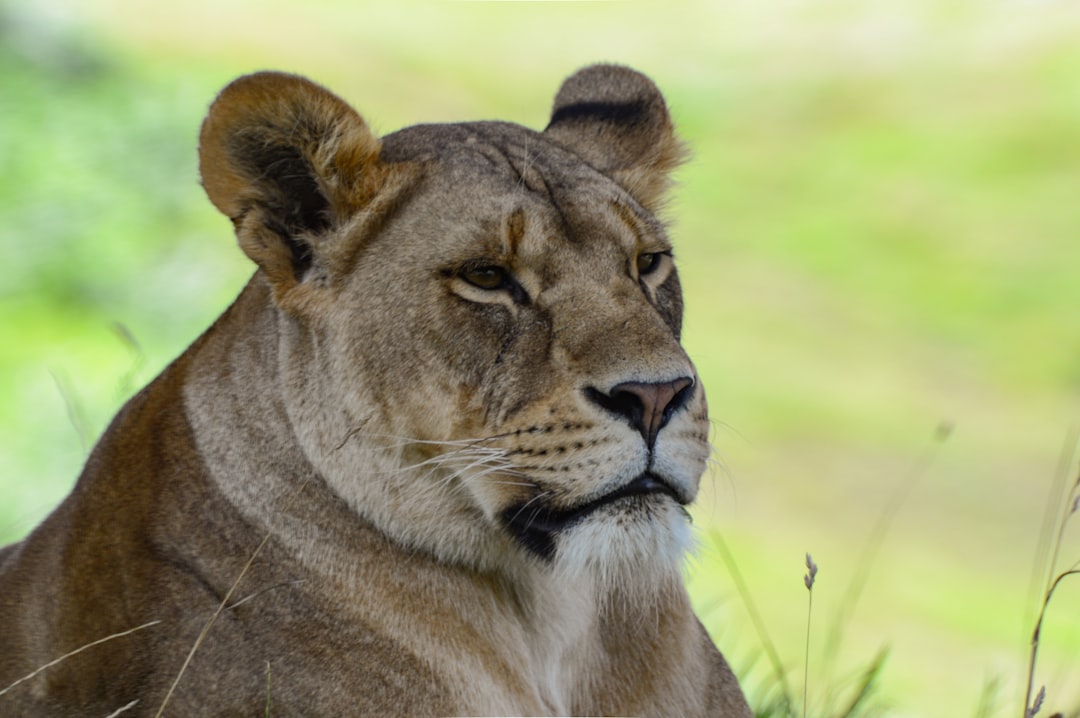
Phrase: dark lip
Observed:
(535, 525)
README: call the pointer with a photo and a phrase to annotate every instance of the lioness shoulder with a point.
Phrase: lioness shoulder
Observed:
(434, 460)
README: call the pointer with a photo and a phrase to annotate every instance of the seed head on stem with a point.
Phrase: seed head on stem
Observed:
(811, 573)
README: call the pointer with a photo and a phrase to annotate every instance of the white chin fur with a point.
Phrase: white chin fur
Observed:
(641, 546)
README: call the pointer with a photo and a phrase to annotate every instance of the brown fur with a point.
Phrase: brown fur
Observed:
(426, 424)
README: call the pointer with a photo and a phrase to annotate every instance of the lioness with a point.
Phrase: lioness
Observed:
(435, 458)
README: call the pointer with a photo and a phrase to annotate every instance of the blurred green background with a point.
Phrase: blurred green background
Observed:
(878, 236)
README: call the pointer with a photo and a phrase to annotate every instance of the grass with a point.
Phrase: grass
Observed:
(1070, 504)
(75, 652)
(811, 575)
(854, 698)
(771, 695)
(877, 234)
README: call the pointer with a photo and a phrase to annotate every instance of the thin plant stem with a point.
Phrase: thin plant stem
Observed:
(1069, 506)
(1037, 633)
(806, 660)
(210, 623)
(1067, 510)
(808, 580)
(1057, 510)
(755, 617)
(77, 651)
(123, 709)
(873, 544)
(222, 606)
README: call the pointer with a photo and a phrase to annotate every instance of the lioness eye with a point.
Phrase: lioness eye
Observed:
(490, 278)
(648, 262)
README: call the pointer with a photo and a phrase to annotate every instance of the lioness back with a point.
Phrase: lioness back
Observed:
(434, 460)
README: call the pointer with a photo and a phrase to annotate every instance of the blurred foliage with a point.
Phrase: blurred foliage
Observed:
(877, 233)
(102, 224)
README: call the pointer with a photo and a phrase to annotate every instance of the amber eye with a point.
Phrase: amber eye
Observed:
(648, 262)
(486, 277)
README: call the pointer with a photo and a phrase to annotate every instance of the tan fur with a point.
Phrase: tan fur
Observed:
(450, 406)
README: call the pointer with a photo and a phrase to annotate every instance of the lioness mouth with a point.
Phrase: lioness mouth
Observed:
(534, 524)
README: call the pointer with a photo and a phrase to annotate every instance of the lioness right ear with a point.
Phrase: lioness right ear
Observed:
(616, 120)
(286, 160)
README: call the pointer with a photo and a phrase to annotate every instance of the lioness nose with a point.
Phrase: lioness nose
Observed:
(648, 407)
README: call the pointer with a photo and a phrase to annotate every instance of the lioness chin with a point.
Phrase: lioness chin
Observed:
(435, 458)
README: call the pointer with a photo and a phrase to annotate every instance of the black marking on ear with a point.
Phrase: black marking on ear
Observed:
(622, 113)
(290, 193)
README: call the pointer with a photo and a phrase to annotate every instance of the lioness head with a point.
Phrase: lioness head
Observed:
(479, 322)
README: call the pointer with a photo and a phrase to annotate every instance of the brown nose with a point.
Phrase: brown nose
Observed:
(648, 407)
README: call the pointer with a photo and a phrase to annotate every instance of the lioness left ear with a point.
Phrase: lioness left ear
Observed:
(616, 120)
(286, 160)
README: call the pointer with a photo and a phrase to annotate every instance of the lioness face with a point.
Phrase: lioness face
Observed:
(547, 307)
(500, 338)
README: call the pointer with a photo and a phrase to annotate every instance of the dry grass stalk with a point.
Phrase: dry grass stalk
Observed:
(224, 605)
(77, 651)
(808, 580)
(123, 709)
(1069, 507)
(209, 624)
(755, 618)
(868, 559)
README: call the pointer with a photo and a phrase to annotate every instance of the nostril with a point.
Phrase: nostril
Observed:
(684, 389)
(621, 402)
(647, 406)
